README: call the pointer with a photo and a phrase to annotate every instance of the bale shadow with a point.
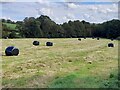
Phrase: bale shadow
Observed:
(3, 55)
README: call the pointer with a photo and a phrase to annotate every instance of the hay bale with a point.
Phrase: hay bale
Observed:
(49, 44)
(70, 61)
(36, 43)
(93, 37)
(5, 37)
(98, 38)
(110, 45)
(11, 51)
(79, 39)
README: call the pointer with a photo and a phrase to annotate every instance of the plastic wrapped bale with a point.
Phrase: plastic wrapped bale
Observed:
(36, 43)
(84, 37)
(49, 44)
(79, 39)
(110, 45)
(93, 37)
(98, 38)
(5, 37)
(11, 51)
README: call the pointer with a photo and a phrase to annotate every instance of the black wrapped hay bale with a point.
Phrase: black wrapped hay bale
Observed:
(98, 38)
(93, 37)
(5, 37)
(110, 45)
(79, 39)
(36, 43)
(84, 37)
(11, 51)
(49, 44)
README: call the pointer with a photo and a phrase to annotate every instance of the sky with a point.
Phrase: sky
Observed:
(60, 11)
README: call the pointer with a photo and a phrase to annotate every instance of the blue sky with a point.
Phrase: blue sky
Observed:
(94, 11)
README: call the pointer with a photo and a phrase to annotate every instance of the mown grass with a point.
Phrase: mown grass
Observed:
(65, 65)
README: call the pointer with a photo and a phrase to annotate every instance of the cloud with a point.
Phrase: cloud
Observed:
(87, 16)
(4, 17)
(45, 2)
(108, 8)
(72, 5)
(46, 11)
(69, 16)
(7, 0)
(92, 0)
(61, 11)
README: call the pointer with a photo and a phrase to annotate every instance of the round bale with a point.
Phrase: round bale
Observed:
(93, 37)
(110, 45)
(36, 43)
(79, 39)
(5, 37)
(11, 51)
(84, 37)
(49, 44)
(98, 38)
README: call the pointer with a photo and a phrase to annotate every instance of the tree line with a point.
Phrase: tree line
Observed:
(44, 27)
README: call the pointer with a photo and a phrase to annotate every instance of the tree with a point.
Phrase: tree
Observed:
(5, 31)
(31, 28)
(43, 26)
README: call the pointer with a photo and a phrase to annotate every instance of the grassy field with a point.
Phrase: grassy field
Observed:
(64, 65)
(11, 26)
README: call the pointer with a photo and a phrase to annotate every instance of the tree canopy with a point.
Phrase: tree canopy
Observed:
(43, 27)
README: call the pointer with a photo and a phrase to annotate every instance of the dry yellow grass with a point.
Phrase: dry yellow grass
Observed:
(37, 66)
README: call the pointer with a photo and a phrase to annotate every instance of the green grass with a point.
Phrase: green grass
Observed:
(65, 65)
(11, 26)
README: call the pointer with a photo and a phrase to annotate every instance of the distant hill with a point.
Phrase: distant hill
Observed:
(10, 30)
(11, 26)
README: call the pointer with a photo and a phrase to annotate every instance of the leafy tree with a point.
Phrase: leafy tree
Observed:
(31, 28)
(43, 26)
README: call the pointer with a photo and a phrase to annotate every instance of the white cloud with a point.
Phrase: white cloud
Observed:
(4, 17)
(87, 16)
(92, 0)
(62, 12)
(66, 18)
(72, 5)
(108, 8)
(43, 2)
(93, 7)
(7, 0)
(70, 16)
(46, 11)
